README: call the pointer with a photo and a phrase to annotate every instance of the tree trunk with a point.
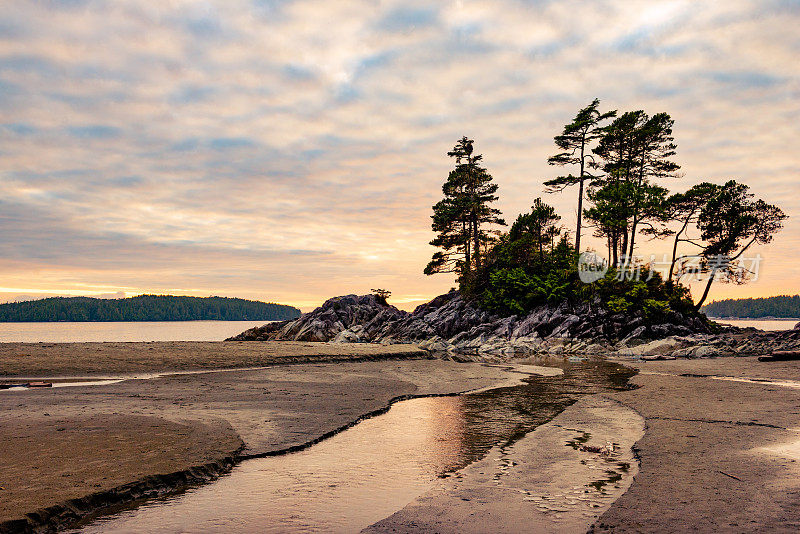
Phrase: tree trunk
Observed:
(636, 203)
(477, 238)
(580, 197)
(675, 247)
(467, 248)
(705, 293)
(623, 251)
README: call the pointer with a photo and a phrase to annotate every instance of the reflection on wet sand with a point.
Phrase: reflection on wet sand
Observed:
(373, 469)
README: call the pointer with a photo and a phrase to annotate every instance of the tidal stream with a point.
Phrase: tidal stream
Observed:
(373, 469)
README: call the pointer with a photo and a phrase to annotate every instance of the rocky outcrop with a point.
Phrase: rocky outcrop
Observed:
(450, 323)
(353, 318)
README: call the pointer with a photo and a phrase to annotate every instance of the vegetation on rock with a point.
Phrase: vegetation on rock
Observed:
(619, 166)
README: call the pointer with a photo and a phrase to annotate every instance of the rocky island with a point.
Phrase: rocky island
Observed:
(455, 326)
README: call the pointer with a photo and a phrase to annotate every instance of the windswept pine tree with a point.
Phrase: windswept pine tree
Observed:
(730, 223)
(576, 143)
(635, 149)
(461, 217)
(684, 209)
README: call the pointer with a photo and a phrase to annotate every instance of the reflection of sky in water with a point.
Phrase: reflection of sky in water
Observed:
(342, 484)
(368, 472)
(67, 332)
(761, 324)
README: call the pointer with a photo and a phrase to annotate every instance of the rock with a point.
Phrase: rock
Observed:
(705, 351)
(347, 336)
(659, 347)
(435, 344)
(595, 348)
(797, 326)
(451, 323)
(637, 333)
(333, 317)
(685, 352)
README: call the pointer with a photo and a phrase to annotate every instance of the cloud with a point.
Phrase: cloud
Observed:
(288, 149)
(93, 131)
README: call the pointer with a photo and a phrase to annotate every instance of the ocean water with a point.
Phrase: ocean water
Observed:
(123, 331)
(761, 324)
(201, 330)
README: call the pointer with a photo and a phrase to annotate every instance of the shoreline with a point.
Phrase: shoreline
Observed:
(93, 359)
(686, 405)
(322, 399)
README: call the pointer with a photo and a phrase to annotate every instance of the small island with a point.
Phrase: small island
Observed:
(145, 308)
(778, 307)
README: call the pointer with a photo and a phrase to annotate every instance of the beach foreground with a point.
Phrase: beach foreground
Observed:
(716, 454)
(92, 439)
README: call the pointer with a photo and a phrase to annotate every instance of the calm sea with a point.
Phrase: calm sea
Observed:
(762, 324)
(201, 330)
(133, 331)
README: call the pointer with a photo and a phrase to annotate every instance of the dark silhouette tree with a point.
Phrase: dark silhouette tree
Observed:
(730, 223)
(381, 294)
(540, 227)
(461, 217)
(575, 143)
(653, 146)
(684, 208)
(635, 150)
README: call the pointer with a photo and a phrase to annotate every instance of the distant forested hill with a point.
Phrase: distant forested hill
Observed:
(145, 308)
(781, 306)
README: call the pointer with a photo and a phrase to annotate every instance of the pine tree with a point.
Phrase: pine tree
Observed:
(575, 143)
(684, 208)
(459, 219)
(730, 223)
(635, 149)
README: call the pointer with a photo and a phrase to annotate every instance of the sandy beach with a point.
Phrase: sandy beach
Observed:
(716, 454)
(91, 439)
(115, 358)
(717, 439)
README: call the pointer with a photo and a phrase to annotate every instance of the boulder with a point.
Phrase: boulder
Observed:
(705, 351)
(657, 347)
(347, 336)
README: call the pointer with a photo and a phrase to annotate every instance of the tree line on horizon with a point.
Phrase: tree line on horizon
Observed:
(780, 306)
(145, 308)
(619, 163)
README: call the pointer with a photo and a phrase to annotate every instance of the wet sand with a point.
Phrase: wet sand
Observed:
(542, 483)
(716, 456)
(93, 359)
(63, 443)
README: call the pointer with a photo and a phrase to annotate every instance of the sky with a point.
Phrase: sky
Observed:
(291, 151)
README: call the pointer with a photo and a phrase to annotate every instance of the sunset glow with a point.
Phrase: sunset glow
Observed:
(291, 151)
